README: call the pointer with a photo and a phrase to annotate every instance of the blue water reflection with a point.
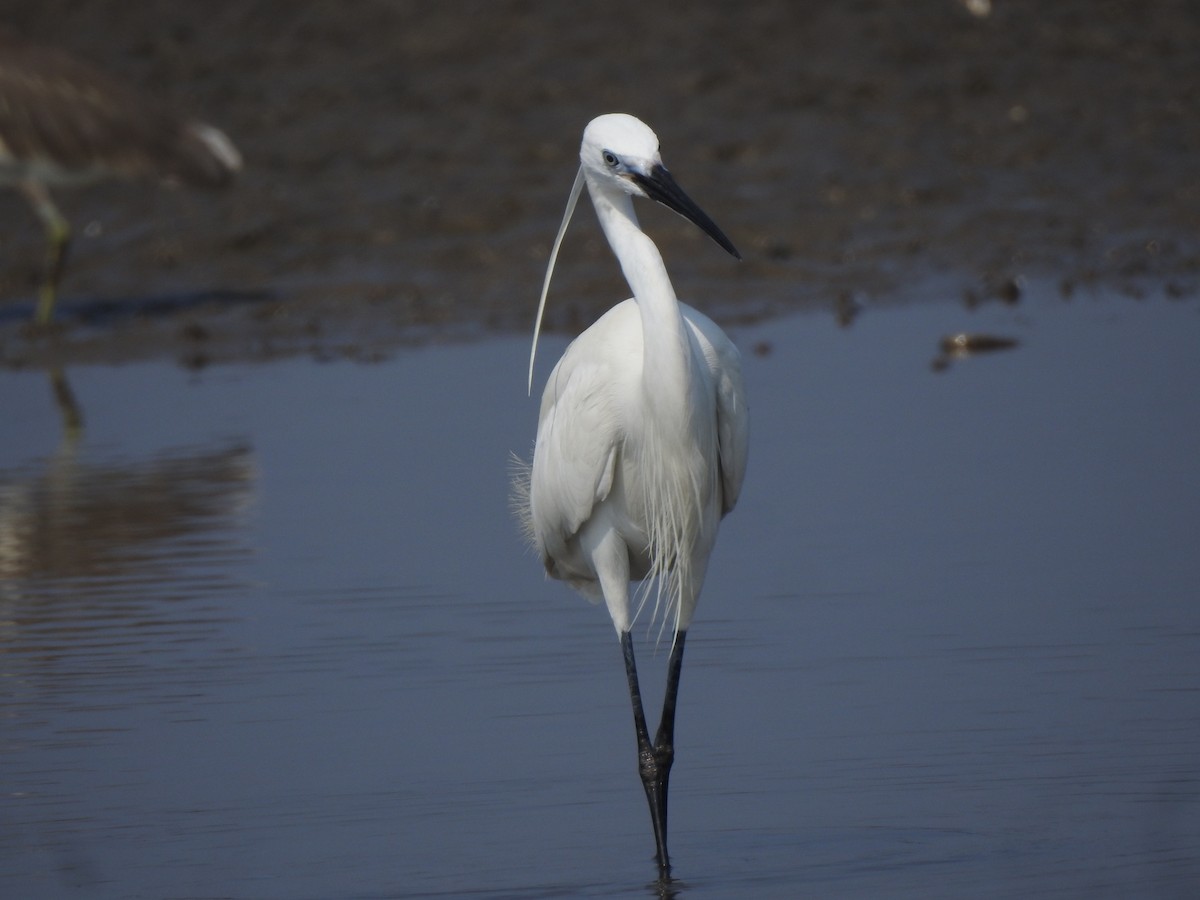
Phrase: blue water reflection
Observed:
(949, 644)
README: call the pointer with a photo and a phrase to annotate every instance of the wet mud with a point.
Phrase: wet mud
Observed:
(407, 163)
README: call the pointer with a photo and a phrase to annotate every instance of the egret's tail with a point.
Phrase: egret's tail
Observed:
(679, 519)
(672, 532)
(520, 475)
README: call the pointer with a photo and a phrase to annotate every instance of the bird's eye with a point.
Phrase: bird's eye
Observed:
(610, 159)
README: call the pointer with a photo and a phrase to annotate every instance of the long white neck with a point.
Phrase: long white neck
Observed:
(666, 359)
(672, 476)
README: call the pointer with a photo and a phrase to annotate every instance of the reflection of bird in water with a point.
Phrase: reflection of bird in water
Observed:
(64, 122)
(68, 406)
(82, 522)
(642, 435)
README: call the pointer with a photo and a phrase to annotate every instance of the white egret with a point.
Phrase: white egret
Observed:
(64, 122)
(642, 435)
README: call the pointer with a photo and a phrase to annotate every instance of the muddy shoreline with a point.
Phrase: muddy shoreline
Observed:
(407, 165)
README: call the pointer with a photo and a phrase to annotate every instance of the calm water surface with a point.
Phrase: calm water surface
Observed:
(269, 631)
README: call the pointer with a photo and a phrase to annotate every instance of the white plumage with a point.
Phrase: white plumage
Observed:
(647, 470)
(643, 431)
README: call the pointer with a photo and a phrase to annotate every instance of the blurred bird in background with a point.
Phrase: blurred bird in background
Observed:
(64, 122)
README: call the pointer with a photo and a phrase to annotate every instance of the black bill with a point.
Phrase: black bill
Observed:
(660, 186)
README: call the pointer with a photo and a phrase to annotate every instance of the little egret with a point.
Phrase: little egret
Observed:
(642, 435)
(62, 122)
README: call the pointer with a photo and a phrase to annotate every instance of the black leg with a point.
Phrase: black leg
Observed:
(654, 760)
(664, 740)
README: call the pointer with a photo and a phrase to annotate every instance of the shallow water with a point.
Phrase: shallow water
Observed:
(269, 630)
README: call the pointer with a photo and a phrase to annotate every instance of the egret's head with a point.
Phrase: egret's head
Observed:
(621, 151)
(621, 148)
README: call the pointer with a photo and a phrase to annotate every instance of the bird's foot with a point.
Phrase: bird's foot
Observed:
(654, 767)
